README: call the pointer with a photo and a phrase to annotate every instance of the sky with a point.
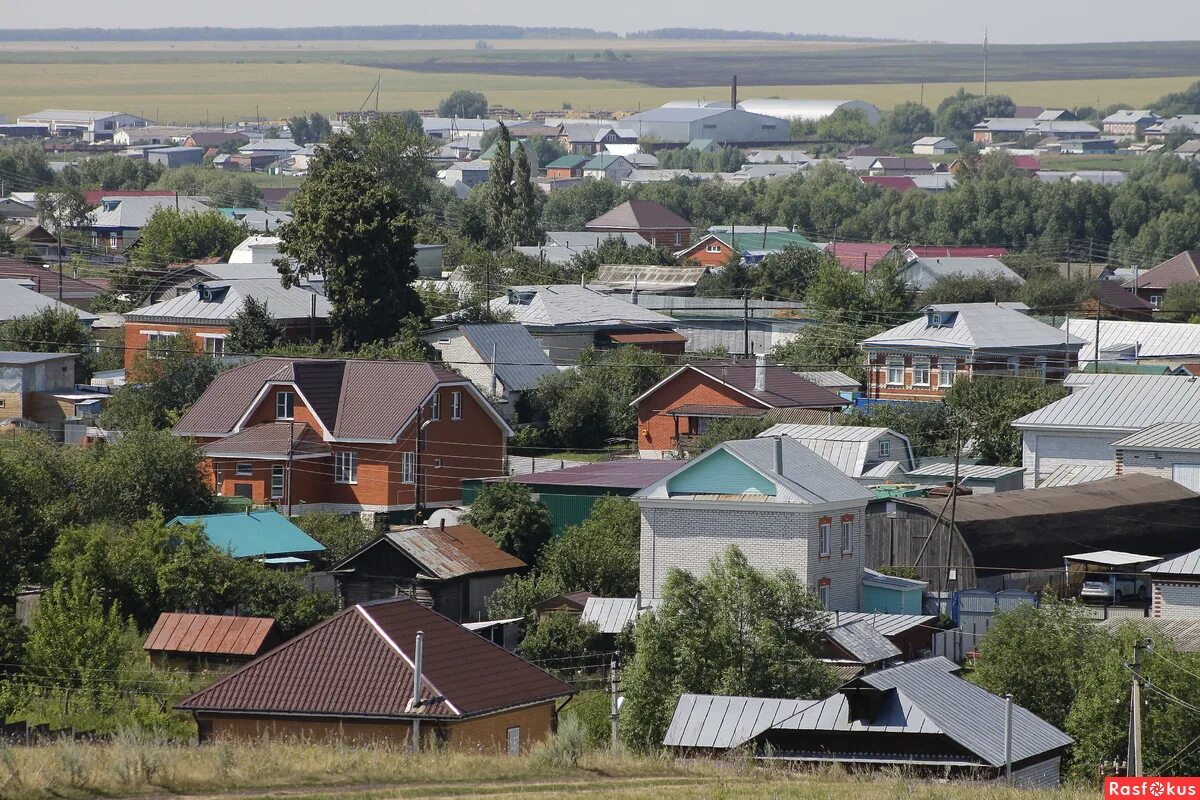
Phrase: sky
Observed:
(1012, 22)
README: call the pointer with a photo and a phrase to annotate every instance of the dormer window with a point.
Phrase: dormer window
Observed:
(939, 319)
(516, 298)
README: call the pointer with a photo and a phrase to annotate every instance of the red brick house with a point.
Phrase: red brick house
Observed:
(656, 223)
(673, 413)
(348, 436)
(861, 257)
(1152, 284)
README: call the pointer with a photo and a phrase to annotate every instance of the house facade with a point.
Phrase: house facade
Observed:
(781, 504)
(40, 388)
(656, 223)
(1128, 122)
(747, 242)
(349, 436)
(1175, 587)
(922, 359)
(1167, 450)
(1152, 284)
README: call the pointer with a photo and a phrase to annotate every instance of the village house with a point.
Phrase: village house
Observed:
(207, 641)
(405, 675)
(783, 505)
(652, 221)
(40, 388)
(1152, 284)
(1175, 587)
(857, 451)
(350, 436)
(1166, 450)
(674, 413)
(25, 297)
(562, 246)
(1128, 122)
(607, 166)
(899, 165)
(921, 359)
(1111, 300)
(1170, 344)
(46, 280)
(1165, 128)
(207, 309)
(568, 166)
(747, 242)
(590, 138)
(934, 146)
(118, 220)
(922, 273)
(861, 257)
(91, 126)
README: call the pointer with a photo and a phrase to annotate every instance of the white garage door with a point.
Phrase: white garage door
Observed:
(1187, 475)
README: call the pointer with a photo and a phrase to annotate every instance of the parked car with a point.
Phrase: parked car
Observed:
(1113, 587)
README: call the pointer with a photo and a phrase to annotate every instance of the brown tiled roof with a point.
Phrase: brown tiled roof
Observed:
(784, 388)
(1182, 268)
(639, 215)
(270, 439)
(352, 399)
(1111, 294)
(210, 634)
(445, 552)
(46, 280)
(851, 254)
(357, 664)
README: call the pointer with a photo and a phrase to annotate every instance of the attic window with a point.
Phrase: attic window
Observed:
(940, 319)
(520, 298)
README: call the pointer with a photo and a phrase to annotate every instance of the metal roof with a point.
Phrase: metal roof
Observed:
(830, 379)
(847, 447)
(1135, 340)
(1111, 558)
(972, 267)
(874, 578)
(135, 212)
(720, 723)
(520, 361)
(270, 440)
(782, 387)
(1183, 632)
(972, 471)
(614, 614)
(896, 714)
(635, 473)
(887, 624)
(371, 645)
(975, 326)
(212, 634)
(1127, 403)
(1186, 564)
(649, 278)
(1076, 474)
(444, 552)
(12, 357)
(18, 299)
(569, 305)
(253, 533)
(863, 642)
(1164, 436)
(639, 215)
(219, 301)
(1181, 268)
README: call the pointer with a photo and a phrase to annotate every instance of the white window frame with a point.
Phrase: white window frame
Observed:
(456, 406)
(947, 367)
(1156, 301)
(1014, 366)
(345, 466)
(823, 596)
(713, 248)
(214, 345)
(920, 367)
(278, 480)
(435, 407)
(288, 405)
(895, 363)
(823, 534)
(243, 469)
(408, 467)
(847, 537)
(885, 448)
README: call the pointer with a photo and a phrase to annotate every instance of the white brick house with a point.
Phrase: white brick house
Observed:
(784, 506)
(1175, 587)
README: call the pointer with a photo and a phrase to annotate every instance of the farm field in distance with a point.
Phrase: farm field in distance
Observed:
(187, 82)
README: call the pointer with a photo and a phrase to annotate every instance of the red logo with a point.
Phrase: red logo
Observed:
(1151, 788)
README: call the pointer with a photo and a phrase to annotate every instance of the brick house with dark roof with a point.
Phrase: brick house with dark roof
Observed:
(656, 223)
(673, 413)
(349, 436)
(1152, 284)
(467, 693)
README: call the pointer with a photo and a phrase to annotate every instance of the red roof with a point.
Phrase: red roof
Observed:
(899, 183)
(942, 251)
(783, 388)
(210, 634)
(93, 196)
(639, 215)
(850, 254)
(358, 664)
(1028, 163)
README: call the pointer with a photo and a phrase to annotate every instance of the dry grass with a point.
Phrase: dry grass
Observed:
(130, 767)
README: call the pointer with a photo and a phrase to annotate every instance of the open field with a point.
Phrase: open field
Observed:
(128, 768)
(187, 93)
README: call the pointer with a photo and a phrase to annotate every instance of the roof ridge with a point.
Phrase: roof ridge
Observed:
(375, 626)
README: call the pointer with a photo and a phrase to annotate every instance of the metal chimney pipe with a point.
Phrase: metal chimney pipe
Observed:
(760, 372)
(418, 679)
(778, 455)
(733, 93)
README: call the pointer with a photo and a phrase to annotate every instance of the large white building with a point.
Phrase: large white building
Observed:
(93, 126)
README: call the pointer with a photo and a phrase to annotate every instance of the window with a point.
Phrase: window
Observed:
(895, 372)
(678, 239)
(920, 372)
(214, 346)
(345, 467)
(946, 369)
(713, 248)
(243, 468)
(1014, 366)
(284, 405)
(513, 741)
(1156, 301)
(823, 595)
(824, 538)
(408, 468)
(276, 481)
(885, 448)
(1042, 369)
(114, 240)
(456, 405)
(435, 407)
(847, 537)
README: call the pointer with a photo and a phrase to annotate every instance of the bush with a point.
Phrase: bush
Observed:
(592, 710)
(564, 748)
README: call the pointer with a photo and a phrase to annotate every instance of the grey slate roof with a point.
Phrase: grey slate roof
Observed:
(1164, 436)
(973, 267)
(1126, 403)
(874, 578)
(14, 357)
(847, 447)
(18, 299)
(887, 624)
(1186, 564)
(520, 360)
(863, 642)
(134, 212)
(975, 326)
(226, 299)
(1140, 339)
(712, 721)
(975, 471)
(1076, 474)
(613, 614)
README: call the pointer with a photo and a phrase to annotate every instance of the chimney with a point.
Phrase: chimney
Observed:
(442, 523)
(760, 372)
(778, 455)
(733, 93)
(637, 600)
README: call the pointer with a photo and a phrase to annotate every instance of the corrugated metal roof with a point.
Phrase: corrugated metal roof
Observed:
(210, 301)
(976, 326)
(847, 447)
(720, 723)
(830, 379)
(784, 388)
(1181, 268)
(19, 299)
(897, 713)
(887, 624)
(444, 552)
(1076, 474)
(648, 277)
(1126, 403)
(520, 361)
(254, 533)
(635, 473)
(942, 267)
(1164, 436)
(564, 305)
(132, 213)
(1183, 632)
(974, 471)
(1134, 339)
(863, 642)
(613, 614)
(891, 581)
(211, 634)
(357, 664)
(270, 439)
(1112, 558)
(1186, 564)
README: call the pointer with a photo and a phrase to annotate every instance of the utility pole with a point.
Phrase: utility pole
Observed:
(58, 230)
(985, 62)
(615, 710)
(1008, 738)
(1133, 758)
(745, 323)
(1096, 343)
(953, 504)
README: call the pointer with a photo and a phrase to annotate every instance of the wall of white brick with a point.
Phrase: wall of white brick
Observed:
(1142, 462)
(1175, 600)
(688, 537)
(1043, 451)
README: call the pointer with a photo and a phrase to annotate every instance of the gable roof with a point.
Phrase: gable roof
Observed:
(212, 635)
(1111, 294)
(853, 255)
(784, 388)
(954, 251)
(1119, 402)
(976, 326)
(847, 447)
(253, 534)
(1180, 268)
(132, 212)
(270, 440)
(757, 240)
(1186, 564)
(568, 162)
(371, 645)
(1136, 338)
(446, 552)
(719, 722)
(941, 267)
(639, 215)
(19, 299)
(220, 301)
(46, 281)
(520, 360)
(566, 305)
(1164, 436)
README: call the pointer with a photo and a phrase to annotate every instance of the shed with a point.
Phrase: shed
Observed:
(892, 594)
(255, 534)
(187, 640)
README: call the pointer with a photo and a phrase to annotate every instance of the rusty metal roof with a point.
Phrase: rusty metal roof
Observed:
(444, 552)
(210, 634)
(357, 664)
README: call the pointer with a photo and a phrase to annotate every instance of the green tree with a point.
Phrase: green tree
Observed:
(547, 150)
(571, 208)
(342, 535)
(787, 274)
(908, 119)
(829, 343)
(526, 198)
(846, 125)
(500, 193)
(51, 330)
(615, 250)
(961, 288)
(111, 171)
(353, 229)
(143, 470)
(253, 329)
(23, 163)
(163, 382)
(1175, 104)
(557, 637)
(1181, 302)
(223, 188)
(171, 236)
(464, 103)
(310, 129)
(925, 425)
(508, 513)
(600, 555)
(727, 430)
(62, 211)
(983, 409)
(733, 631)
(400, 155)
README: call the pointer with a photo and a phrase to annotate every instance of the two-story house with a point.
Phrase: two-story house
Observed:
(656, 223)
(1152, 285)
(349, 436)
(784, 507)
(921, 359)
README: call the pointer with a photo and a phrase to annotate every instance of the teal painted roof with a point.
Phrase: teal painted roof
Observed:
(257, 534)
(602, 161)
(756, 242)
(568, 162)
(700, 144)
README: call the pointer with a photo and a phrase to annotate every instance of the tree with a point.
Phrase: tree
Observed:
(354, 229)
(733, 631)
(143, 470)
(399, 154)
(500, 193)
(1175, 104)
(983, 409)
(62, 211)
(925, 425)
(559, 637)
(962, 288)
(508, 513)
(171, 236)
(23, 163)
(526, 199)
(111, 171)
(311, 129)
(787, 273)
(726, 430)
(253, 329)
(846, 125)
(51, 330)
(547, 150)
(908, 119)
(342, 535)
(600, 555)
(163, 382)
(615, 250)
(571, 208)
(1181, 302)
(464, 103)
(224, 188)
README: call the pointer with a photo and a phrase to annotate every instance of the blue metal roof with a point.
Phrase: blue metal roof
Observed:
(254, 534)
